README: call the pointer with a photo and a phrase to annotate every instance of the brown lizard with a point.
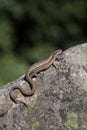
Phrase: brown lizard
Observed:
(33, 71)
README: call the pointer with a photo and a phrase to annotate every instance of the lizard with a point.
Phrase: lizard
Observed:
(33, 71)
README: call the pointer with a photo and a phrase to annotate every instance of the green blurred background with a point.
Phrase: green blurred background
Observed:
(31, 29)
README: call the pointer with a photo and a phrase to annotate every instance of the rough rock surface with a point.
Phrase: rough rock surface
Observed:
(60, 101)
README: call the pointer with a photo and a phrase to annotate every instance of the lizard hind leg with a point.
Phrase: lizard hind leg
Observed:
(37, 75)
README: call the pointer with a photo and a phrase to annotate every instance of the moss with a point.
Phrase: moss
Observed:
(72, 121)
(35, 122)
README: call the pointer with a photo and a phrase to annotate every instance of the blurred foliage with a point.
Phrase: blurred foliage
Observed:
(31, 29)
(10, 65)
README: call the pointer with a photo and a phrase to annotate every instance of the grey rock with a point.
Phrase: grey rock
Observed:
(59, 102)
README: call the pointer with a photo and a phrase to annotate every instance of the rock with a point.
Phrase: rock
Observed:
(59, 102)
